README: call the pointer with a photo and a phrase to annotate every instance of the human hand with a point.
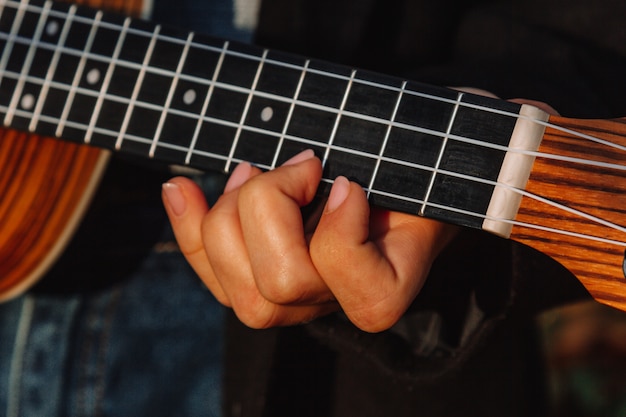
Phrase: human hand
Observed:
(252, 251)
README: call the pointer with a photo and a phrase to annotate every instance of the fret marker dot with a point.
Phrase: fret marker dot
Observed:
(28, 101)
(52, 28)
(266, 114)
(93, 76)
(189, 97)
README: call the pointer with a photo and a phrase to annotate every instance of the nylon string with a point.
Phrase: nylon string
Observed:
(13, 38)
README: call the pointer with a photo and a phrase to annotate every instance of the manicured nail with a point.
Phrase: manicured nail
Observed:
(338, 193)
(302, 156)
(238, 177)
(175, 198)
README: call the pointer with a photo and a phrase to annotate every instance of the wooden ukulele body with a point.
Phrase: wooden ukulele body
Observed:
(45, 187)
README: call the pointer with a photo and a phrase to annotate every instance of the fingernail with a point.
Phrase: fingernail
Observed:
(175, 198)
(302, 156)
(238, 177)
(338, 193)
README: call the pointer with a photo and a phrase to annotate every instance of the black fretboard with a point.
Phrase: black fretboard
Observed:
(136, 87)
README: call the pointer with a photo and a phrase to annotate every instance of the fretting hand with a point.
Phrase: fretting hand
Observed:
(252, 250)
(253, 253)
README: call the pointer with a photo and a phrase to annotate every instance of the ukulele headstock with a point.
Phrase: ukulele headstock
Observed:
(574, 204)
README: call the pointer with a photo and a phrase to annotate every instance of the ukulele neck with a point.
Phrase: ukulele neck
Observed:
(136, 87)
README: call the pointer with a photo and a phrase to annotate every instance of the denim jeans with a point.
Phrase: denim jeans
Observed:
(148, 344)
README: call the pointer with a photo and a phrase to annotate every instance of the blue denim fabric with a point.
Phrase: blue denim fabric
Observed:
(148, 345)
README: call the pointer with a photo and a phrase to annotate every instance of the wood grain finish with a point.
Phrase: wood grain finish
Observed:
(596, 190)
(127, 7)
(45, 188)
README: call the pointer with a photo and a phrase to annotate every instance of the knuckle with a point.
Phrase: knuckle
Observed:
(280, 288)
(252, 309)
(254, 191)
(257, 316)
(374, 317)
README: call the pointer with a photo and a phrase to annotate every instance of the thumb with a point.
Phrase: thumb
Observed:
(186, 207)
(352, 266)
(346, 215)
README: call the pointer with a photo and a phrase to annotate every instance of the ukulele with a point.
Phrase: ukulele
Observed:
(131, 86)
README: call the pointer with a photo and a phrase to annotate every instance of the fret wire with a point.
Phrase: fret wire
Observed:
(483, 216)
(79, 73)
(386, 139)
(502, 112)
(462, 139)
(370, 190)
(159, 71)
(170, 96)
(277, 98)
(51, 70)
(453, 209)
(82, 126)
(245, 111)
(11, 38)
(440, 157)
(400, 162)
(28, 61)
(383, 193)
(205, 105)
(140, 32)
(107, 80)
(321, 107)
(287, 65)
(108, 132)
(481, 107)
(338, 118)
(137, 88)
(283, 133)
(20, 82)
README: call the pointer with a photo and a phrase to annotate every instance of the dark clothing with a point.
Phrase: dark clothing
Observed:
(467, 346)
